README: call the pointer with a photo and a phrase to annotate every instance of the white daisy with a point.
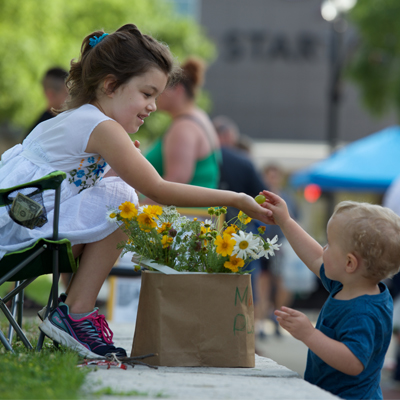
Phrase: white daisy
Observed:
(272, 243)
(111, 215)
(263, 252)
(255, 255)
(208, 223)
(270, 251)
(246, 244)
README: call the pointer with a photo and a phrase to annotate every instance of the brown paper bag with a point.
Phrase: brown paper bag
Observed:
(195, 319)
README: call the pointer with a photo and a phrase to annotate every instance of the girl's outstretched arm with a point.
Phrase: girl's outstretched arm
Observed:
(111, 141)
(308, 249)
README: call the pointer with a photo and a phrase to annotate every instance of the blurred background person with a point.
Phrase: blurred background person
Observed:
(244, 144)
(237, 171)
(270, 284)
(55, 92)
(189, 151)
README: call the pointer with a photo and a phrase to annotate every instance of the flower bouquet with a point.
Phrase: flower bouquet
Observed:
(202, 314)
(163, 236)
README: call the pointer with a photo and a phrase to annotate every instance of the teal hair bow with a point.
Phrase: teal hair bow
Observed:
(94, 40)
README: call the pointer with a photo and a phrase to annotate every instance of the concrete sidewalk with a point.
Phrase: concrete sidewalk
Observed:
(268, 380)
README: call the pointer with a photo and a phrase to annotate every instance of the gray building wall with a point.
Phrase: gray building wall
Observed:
(271, 73)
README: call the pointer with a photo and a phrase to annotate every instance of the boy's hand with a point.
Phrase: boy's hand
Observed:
(295, 322)
(277, 205)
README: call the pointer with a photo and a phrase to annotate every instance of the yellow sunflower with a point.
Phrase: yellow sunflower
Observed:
(128, 210)
(166, 241)
(224, 245)
(154, 211)
(234, 263)
(204, 230)
(146, 222)
(166, 226)
(231, 229)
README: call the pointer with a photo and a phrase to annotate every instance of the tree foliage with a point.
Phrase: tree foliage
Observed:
(39, 34)
(375, 65)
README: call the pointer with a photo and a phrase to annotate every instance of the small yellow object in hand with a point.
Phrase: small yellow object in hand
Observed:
(260, 199)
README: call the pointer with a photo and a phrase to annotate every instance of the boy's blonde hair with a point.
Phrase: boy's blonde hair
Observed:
(373, 233)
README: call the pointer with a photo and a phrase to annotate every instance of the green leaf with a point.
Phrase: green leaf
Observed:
(374, 65)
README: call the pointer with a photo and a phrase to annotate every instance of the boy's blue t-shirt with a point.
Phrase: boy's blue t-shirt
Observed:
(364, 325)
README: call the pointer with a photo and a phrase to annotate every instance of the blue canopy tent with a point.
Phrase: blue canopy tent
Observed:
(368, 164)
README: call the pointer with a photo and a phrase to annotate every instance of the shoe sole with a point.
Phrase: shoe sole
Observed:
(65, 339)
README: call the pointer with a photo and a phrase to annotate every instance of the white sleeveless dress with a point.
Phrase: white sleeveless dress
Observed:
(59, 144)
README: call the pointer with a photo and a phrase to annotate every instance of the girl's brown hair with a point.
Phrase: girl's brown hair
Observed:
(192, 76)
(125, 53)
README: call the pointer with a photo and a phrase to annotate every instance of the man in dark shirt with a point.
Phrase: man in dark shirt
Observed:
(238, 172)
(55, 92)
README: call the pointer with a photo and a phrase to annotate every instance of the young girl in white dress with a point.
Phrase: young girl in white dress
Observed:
(113, 87)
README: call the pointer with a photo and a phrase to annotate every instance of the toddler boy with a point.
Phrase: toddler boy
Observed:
(348, 345)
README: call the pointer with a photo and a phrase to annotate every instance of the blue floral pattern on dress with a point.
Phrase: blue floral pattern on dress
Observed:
(100, 169)
(86, 176)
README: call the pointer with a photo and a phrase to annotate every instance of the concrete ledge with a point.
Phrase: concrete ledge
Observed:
(265, 367)
(268, 380)
(277, 382)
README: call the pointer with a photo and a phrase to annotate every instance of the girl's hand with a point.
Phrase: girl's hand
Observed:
(277, 205)
(295, 322)
(251, 208)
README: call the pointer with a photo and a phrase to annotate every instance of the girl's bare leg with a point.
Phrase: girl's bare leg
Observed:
(70, 283)
(95, 264)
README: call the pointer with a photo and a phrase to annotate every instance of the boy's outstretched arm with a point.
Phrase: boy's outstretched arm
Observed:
(334, 353)
(308, 249)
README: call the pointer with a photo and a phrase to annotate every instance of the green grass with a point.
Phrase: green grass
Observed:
(111, 392)
(107, 391)
(50, 374)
